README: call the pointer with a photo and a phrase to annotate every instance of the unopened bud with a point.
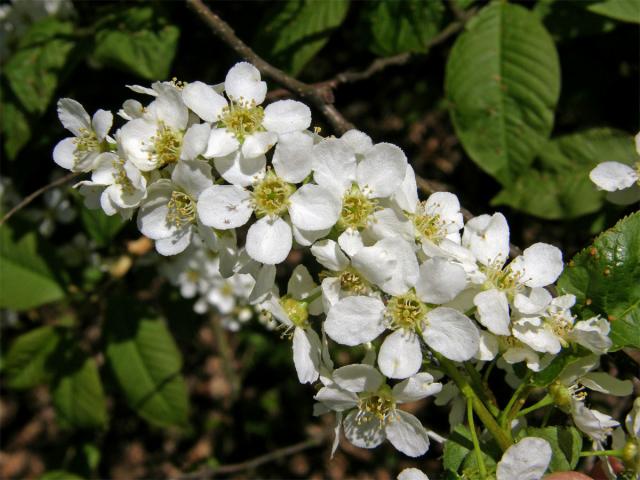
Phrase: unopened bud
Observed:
(631, 455)
(561, 396)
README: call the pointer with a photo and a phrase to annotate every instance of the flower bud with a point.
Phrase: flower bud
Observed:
(561, 396)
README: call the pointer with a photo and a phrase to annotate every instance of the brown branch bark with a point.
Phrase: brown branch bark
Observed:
(210, 472)
(30, 198)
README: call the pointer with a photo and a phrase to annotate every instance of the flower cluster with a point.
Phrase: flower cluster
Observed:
(408, 280)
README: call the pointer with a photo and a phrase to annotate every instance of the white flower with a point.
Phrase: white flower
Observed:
(487, 237)
(293, 311)
(168, 215)
(371, 408)
(546, 324)
(358, 184)
(242, 129)
(161, 135)
(526, 460)
(311, 209)
(80, 152)
(358, 319)
(622, 181)
(412, 474)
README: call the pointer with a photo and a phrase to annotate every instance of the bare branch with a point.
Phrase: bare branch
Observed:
(36, 194)
(210, 472)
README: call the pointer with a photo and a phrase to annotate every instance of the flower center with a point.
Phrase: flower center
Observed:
(379, 406)
(242, 119)
(560, 325)
(352, 282)
(429, 227)
(166, 145)
(406, 312)
(86, 142)
(182, 209)
(271, 195)
(356, 209)
(120, 176)
(296, 310)
(502, 278)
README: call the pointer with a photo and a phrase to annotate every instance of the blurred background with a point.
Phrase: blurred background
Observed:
(237, 392)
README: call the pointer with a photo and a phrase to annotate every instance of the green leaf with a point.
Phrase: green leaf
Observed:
(146, 364)
(77, 392)
(34, 70)
(566, 445)
(569, 20)
(604, 279)
(29, 281)
(546, 376)
(623, 10)
(407, 26)
(559, 187)
(101, 227)
(503, 84)
(456, 448)
(15, 127)
(136, 40)
(26, 364)
(296, 30)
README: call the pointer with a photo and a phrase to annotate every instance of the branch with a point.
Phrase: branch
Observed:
(210, 472)
(320, 97)
(36, 194)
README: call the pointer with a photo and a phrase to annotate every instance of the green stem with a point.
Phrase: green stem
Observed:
(547, 400)
(474, 439)
(502, 437)
(479, 386)
(515, 402)
(613, 453)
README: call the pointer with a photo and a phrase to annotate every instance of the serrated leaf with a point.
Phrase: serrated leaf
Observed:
(34, 70)
(15, 127)
(296, 30)
(147, 364)
(559, 187)
(101, 227)
(26, 363)
(27, 280)
(136, 40)
(77, 392)
(623, 10)
(566, 445)
(503, 83)
(407, 26)
(604, 279)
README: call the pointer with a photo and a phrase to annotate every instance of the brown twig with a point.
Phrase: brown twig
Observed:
(30, 198)
(255, 462)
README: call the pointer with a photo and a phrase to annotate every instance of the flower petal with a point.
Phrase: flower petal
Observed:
(539, 265)
(240, 170)
(451, 333)
(406, 433)
(358, 378)
(243, 83)
(292, 158)
(193, 176)
(612, 176)
(221, 143)
(382, 170)
(362, 434)
(526, 460)
(269, 240)
(73, 116)
(493, 311)
(487, 236)
(400, 355)
(314, 208)
(359, 141)
(334, 165)
(306, 355)
(285, 116)
(101, 123)
(258, 144)
(224, 206)
(416, 387)
(440, 281)
(336, 398)
(64, 153)
(203, 101)
(195, 141)
(329, 255)
(355, 320)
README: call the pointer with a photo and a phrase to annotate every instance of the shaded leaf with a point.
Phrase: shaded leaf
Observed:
(407, 26)
(296, 30)
(101, 227)
(26, 364)
(559, 187)
(27, 278)
(15, 127)
(503, 84)
(34, 70)
(623, 10)
(547, 375)
(146, 364)
(77, 392)
(136, 40)
(604, 279)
